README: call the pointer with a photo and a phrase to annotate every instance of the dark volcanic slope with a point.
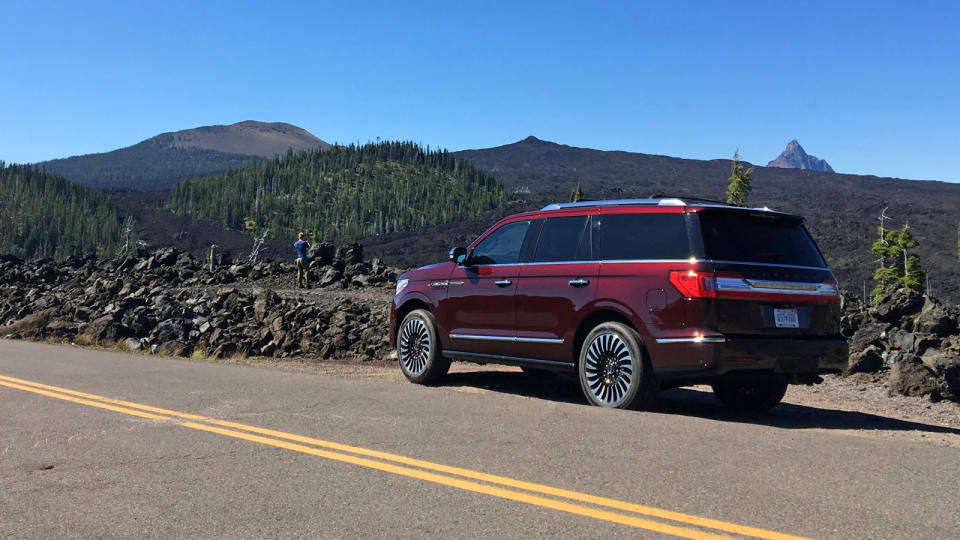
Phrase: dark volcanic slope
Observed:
(167, 159)
(841, 208)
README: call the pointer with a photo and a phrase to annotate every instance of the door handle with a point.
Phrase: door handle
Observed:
(579, 282)
(503, 283)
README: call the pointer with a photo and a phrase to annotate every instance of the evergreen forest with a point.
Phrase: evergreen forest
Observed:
(147, 166)
(43, 215)
(343, 193)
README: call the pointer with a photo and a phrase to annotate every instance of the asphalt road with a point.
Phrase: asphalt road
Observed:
(107, 444)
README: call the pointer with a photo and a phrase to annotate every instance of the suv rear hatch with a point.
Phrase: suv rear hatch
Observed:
(768, 277)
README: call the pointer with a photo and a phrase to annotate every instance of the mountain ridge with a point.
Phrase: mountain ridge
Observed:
(249, 137)
(164, 160)
(795, 157)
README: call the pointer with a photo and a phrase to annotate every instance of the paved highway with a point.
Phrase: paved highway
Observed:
(107, 444)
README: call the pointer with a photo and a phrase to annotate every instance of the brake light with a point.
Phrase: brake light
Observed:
(693, 284)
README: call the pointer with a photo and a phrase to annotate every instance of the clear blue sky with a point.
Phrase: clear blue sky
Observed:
(872, 87)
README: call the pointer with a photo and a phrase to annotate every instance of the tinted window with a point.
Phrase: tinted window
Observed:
(757, 238)
(559, 239)
(502, 246)
(643, 236)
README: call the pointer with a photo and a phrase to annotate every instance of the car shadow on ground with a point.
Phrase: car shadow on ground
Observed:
(692, 402)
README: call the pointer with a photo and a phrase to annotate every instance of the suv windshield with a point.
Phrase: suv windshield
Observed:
(757, 238)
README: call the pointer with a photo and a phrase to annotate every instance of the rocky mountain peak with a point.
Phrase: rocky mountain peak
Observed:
(794, 157)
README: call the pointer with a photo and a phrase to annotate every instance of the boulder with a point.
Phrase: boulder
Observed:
(349, 253)
(264, 299)
(867, 361)
(225, 350)
(322, 252)
(166, 256)
(29, 323)
(910, 377)
(896, 304)
(934, 319)
(172, 348)
(105, 328)
(331, 277)
(900, 339)
(866, 335)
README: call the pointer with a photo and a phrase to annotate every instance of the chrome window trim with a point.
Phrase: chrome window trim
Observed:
(769, 264)
(507, 338)
(678, 261)
(695, 339)
(688, 261)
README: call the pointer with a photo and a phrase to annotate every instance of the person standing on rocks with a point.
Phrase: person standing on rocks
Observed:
(302, 247)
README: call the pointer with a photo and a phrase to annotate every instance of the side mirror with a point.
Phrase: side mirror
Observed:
(458, 255)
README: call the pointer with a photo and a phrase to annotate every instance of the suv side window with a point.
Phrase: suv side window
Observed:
(561, 239)
(643, 236)
(502, 246)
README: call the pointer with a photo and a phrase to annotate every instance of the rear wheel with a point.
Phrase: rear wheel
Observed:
(753, 396)
(613, 369)
(418, 348)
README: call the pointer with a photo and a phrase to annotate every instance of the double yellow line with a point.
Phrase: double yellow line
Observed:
(563, 500)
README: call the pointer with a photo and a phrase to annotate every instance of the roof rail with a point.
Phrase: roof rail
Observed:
(616, 202)
(653, 201)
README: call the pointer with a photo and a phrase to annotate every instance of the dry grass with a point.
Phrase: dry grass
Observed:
(118, 345)
(84, 340)
(200, 353)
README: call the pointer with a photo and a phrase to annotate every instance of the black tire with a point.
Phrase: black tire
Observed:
(751, 396)
(613, 368)
(418, 348)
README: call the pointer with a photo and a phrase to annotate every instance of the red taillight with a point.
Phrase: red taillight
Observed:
(693, 284)
(731, 285)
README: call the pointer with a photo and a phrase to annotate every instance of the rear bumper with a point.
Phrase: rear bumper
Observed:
(719, 355)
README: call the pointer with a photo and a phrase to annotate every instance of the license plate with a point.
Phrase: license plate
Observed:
(786, 318)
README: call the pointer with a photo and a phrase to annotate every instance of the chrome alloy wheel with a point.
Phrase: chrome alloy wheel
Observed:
(609, 368)
(414, 349)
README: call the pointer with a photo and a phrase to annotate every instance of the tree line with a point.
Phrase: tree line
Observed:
(343, 193)
(148, 165)
(43, 215)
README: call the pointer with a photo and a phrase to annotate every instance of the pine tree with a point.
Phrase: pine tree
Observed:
(739, 189)
(577, 194)
(904, 268)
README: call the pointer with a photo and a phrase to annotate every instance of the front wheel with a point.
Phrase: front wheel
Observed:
(613, 370)
(751, 396)
(418, 349)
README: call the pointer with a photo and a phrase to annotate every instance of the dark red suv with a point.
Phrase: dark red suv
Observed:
(633, 296)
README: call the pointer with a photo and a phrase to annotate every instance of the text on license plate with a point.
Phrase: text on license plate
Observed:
(786, 318)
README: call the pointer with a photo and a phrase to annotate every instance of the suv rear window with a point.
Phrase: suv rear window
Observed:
(757, 238)
(626, 237)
